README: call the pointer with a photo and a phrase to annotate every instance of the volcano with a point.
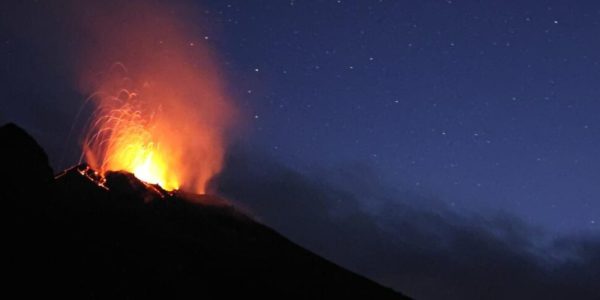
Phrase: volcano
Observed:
(79, 234)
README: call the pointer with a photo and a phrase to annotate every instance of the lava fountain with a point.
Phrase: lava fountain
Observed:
(123, 136)
(161, 112)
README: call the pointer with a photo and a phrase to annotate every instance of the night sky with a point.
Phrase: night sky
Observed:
(465, 110)
(484, 105)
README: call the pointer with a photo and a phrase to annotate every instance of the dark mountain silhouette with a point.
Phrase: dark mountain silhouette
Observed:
(74, 235)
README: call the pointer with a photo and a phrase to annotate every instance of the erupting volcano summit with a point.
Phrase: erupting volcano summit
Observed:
(74, 237)
(158, 104)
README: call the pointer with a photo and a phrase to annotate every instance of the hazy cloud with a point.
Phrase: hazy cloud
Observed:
(412, 244)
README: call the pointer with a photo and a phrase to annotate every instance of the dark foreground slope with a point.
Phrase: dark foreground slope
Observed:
(68, 236)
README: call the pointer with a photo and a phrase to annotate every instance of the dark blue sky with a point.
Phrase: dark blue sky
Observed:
(433, 146)
(481, 104)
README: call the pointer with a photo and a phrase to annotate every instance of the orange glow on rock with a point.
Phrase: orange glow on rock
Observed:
(153, 169)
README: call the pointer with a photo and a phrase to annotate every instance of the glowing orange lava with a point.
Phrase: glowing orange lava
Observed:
(161, 111)
(124, 137)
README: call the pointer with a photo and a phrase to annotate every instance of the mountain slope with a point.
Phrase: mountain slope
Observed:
(71, 236)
